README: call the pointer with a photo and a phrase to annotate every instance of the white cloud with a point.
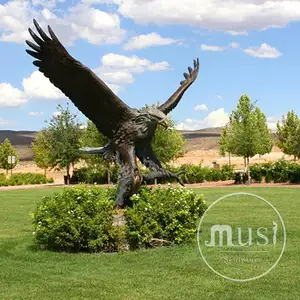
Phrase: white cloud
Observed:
(272, 122)
(78, 22)
(234, 33)
(56, 114)
(96, 26)
(233, 16)
(212, 48)
(201, 107)
(116, 76)
(264, 51)
(148, 40)
(38, 86)
(132, 63)
(216, 118)
(117, 70)
(36, 114)
(5, 123)
(234, 45)
(46, 3)
(220, 97)
(10, 96)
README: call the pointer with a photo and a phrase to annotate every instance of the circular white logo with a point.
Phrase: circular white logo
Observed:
(241, 237)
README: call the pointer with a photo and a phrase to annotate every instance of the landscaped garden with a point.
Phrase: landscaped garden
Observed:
(175, 272)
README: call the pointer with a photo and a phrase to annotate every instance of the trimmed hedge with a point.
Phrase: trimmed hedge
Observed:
(281, 171)
(82, 219)
(193, 174)
(24, 179)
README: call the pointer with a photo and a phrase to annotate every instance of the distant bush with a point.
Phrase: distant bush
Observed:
(199, 174)
(95, 175)
(192, 174)
(82, 219)
(281, 171)
(24, 179)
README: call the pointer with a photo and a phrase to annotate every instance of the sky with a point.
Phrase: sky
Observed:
(141, 48)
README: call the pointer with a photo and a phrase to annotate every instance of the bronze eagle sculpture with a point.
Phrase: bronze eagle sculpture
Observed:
(129, 130)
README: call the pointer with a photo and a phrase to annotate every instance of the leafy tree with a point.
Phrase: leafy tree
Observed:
(265, 140)
(248, 133)
(93, 138)
(42, 150)
(168, 144)
(225, 145)
(6, 149)
(64, 133)
(288, 134)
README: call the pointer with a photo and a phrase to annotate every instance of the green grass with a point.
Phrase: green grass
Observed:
(166, 273)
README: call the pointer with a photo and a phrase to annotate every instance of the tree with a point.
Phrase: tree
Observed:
(42, 150)
(6, 149)
(225, 145)
(248, 133)
(64, 133)
(168, 144)
(93, 138)
(265, 140)
(288, 134)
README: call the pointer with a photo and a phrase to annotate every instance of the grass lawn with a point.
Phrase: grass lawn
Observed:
(166, 273)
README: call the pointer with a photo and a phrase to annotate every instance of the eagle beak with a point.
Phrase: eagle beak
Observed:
(164, 123)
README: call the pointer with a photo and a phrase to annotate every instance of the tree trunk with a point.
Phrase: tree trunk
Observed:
(108, 176)
(6, 173)
(248, 170)
(295, 157)
(244, 165)
(68, 174)
(45, 172)
(229, 158)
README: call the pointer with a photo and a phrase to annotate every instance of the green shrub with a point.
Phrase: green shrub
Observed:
(256, 173)
(95, 175)
(24, 179)
(81, 219)
(78, 219)
(192, 174)
(281, 171)
(163, 214)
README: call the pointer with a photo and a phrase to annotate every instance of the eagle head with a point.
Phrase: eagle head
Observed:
(154, 117)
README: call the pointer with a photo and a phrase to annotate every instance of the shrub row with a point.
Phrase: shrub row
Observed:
(281, 171)
(95, 175)
(192, 174)
(82, 219)
(23, 179)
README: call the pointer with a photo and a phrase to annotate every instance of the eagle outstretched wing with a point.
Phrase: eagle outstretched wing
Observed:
(86, 90)
(184, 85)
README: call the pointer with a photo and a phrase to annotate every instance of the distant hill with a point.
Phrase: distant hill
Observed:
(21, 140)
(204, 139)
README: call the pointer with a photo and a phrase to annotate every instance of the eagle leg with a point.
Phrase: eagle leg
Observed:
(130, 176)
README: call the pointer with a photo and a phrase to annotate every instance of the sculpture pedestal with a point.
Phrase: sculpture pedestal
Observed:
(120, 222)
(119, 219)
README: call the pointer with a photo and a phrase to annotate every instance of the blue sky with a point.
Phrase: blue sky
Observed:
(141, 48)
